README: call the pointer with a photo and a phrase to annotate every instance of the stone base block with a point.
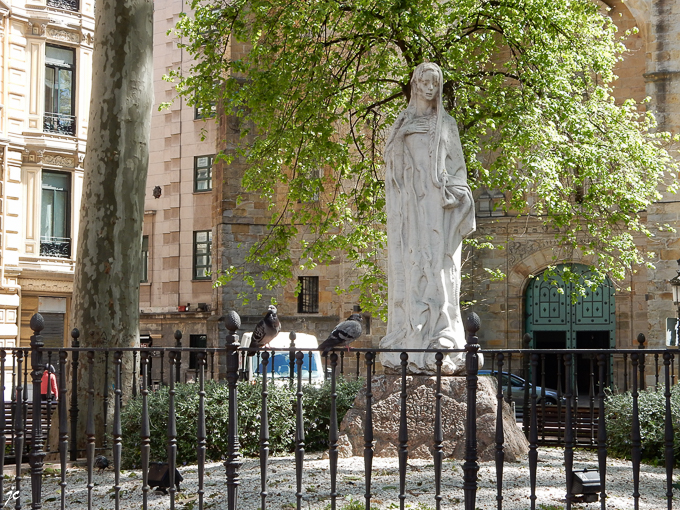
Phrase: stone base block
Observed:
(421, 413)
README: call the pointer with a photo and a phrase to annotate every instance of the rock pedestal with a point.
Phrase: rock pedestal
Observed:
(421, 412)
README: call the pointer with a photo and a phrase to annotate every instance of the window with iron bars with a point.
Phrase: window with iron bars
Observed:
(308, 298)
(55, 215)
(59, 91)
(196, 341)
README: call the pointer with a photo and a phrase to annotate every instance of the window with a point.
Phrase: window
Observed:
(202, 258)
(145, 259)
(55, 217)
(59, 91)
(203, 173)
(67, 5)
(200, 113)
(308, 298)
(196, 341)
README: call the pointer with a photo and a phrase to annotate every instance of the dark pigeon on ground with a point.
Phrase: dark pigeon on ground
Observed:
(101, 463)
(343, 334)
(159, 477)
(265, 331)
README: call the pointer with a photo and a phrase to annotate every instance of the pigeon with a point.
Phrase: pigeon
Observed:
(343, 334)
(265, 331)
(101, 463)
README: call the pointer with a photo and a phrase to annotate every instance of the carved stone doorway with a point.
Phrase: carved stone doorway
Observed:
(554, 322)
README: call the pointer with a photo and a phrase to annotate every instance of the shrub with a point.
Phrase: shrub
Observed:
(651, 412)
(281, 411)
(317, 410)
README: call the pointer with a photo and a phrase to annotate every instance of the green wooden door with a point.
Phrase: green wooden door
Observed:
(554, 322)
(549, 309)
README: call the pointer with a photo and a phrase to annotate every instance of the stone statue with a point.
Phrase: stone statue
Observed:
(429, 211)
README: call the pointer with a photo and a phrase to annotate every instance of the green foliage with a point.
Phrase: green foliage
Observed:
(651, 411)
(529, 84)
(281, 410)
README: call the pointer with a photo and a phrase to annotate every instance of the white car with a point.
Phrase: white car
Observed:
(278, 365)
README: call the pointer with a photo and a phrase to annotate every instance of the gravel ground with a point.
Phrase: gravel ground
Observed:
(351, 486)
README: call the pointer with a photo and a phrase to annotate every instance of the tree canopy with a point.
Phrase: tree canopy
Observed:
(529, 83)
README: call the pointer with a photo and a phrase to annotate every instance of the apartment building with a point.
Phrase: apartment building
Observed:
(176, 288)
(46, 56)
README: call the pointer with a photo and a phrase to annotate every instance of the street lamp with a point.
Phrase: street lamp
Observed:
(675, 285)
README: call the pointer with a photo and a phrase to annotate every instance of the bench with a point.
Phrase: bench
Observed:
(551, 425)
(46, 420)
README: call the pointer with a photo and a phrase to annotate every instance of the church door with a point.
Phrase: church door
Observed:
(554, 322)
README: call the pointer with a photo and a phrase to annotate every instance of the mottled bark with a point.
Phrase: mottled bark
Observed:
(106, 290)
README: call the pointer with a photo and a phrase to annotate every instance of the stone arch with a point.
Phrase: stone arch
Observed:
(519, 277)
(639, 10)
(556, 322)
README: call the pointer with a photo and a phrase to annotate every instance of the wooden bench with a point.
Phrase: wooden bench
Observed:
(551, 425)
(46, 420)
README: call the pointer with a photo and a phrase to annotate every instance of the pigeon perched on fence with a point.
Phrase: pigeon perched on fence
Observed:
(343, 334)
(101, 463)
(265, 331)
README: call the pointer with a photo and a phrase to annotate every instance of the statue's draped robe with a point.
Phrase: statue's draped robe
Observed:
(429, 211)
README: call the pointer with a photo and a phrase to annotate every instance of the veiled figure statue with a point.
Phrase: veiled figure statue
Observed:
(429, 211)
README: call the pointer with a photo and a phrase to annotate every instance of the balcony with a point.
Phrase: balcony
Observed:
(55, 247)
(67, 5)
(59, 123)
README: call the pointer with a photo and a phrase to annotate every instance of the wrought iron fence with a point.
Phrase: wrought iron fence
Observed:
(29, 414)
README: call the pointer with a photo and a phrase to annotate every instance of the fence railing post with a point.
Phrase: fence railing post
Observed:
(641, 345)
(526, 343)
(470, 467)
(37, 454)
(3, 419)
(18, 423)
(73, 411)
(63, 425)
(178, 355)
(232, 321)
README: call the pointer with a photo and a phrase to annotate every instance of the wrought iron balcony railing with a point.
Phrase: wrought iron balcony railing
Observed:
(67, 5)
(59, 123)
(55, 247)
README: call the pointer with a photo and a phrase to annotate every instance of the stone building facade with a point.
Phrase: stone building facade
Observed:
(615, 314)
(46, 56)
(175, 292)
(171, 297)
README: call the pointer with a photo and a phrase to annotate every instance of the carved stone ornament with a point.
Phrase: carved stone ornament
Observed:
(36, 28)
(63, 35)
(32, 156)
(46, 286)
(56, 159)
(520, 250)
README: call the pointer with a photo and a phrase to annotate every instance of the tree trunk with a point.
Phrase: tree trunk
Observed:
(106, 288)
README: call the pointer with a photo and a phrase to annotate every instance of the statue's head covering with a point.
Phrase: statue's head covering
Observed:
(435, 127)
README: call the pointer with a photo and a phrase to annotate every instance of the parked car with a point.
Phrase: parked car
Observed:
(278, 366)
(517, 385)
